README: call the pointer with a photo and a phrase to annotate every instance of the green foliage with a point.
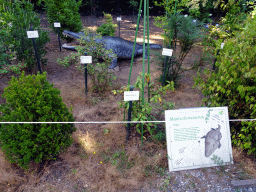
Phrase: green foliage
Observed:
(98, 71)
(145, 112)
(133, 3)
(108, 28)
(65, 12)
(234, 84)
(178, 29)
(170, 7)
(16, 50)
(201, 9)
(217, 160)
(32, 99)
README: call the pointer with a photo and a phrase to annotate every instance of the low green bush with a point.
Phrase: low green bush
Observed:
(177, 29)
(65, 12)
(108, 28)
(150, 110)
(16, 50)
(32, 99)
(101, 77)
(233, 84)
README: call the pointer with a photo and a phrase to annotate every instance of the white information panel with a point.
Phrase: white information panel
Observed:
(85, 59)
(56, 24)
(167, 52)
(119, 19)
(131, 95)
(197, 135)
(32, 34)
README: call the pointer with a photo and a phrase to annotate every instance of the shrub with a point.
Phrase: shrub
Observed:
(182, 29)
(144, 111)
(234, 85)
(16, 50)
(65, 12)
(98, 71)
(108, 28)
(32, 99)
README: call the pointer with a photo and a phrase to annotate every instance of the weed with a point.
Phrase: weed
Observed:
(74, 171)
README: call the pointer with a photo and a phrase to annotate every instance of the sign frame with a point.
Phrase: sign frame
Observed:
(186, 133)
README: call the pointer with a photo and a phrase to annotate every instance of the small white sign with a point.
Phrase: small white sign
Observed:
(56, 24)
(131, 95)
(32, 34)
(119, 19)
(167, 52)
(217, 25)
(185, 15)
(194, 20)
(196, 137)
(222, 45)
(210, 14)
(85, 59)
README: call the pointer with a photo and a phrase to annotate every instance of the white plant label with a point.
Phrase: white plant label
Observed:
(210, 14)
(217, 25)
(167, 52)
(85, 59)
(196, 136)
(119, 19)
(56, 24)
(32, 34)
(131, 95)
(194, 21)
(222, 45)
(185, 15)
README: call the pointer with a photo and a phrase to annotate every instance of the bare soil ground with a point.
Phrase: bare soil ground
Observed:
(105, 162)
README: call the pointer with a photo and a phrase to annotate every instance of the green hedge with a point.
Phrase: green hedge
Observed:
(233, 84)
(32, 99)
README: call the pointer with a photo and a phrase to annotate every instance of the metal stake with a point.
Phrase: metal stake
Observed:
(36, 53)
(129, 117)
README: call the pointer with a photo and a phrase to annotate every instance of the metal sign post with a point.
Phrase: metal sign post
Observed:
(119, 19)
(85, 60)
(32, 35)
(57, 25)
(166, 52)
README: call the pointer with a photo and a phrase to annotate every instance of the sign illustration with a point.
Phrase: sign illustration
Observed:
(196, 135)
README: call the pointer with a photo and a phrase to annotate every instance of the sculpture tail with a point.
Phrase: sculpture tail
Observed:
(154, 46)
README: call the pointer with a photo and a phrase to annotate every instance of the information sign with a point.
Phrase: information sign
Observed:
(222, 45)
(197, 136)
(131, 95)
(32, 34)
(119, 19)
(85, 59)
(56, 24)
(167, 52)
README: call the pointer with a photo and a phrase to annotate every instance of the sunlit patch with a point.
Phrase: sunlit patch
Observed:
(93, 28)
(87, 143)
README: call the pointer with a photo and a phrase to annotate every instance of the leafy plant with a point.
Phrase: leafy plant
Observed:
(108, 28)
(143, 112)
(183, 30)
(16, 50)
(234, 85)
(217, 160)
(173, 6)
(98, 71)
(32, 99)
(65, 12)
